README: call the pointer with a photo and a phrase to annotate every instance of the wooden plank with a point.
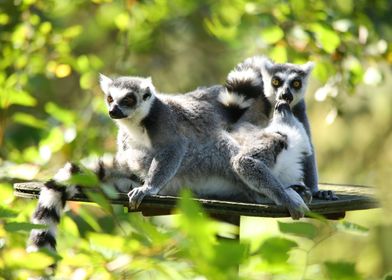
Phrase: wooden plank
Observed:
(350, 198)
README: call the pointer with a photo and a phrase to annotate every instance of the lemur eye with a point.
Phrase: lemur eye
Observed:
(296, 84)
(276, 82)
(147, 95)
(109, 99)
(128, 100)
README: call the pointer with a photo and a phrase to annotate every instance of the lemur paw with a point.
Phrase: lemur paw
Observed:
(325, 195)
(296, 205)
(136, 196)
(304, 192)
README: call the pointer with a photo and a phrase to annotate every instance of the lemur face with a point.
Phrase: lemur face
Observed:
(127, 97)
(285, 81)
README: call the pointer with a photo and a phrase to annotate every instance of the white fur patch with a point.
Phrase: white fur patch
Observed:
(232, 98)
(245, 75)
(64, 173)
(49, 198)
(289, 167)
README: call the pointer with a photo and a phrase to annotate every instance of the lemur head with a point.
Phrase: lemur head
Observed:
(127, 97)
(285, 81)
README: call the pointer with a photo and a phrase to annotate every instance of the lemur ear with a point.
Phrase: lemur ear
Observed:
(308, 67)
(104, 82)
(267, 65)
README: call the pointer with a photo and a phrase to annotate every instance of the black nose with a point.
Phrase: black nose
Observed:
(116, 113)
(287, 96)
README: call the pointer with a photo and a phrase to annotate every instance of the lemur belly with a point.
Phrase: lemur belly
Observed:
(289, 163)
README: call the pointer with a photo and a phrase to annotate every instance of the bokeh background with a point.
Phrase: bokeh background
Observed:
(52, 110)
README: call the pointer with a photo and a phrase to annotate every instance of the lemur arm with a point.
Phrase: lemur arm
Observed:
(310, 164)
(163, 168)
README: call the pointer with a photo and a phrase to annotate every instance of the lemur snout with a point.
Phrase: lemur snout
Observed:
(116, 113)
(287, 96)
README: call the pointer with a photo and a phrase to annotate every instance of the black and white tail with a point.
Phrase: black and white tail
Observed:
(50, 206)
(243, 86)
(56, 192)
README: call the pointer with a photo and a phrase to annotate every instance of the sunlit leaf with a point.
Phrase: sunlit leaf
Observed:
(29, 120)
(342, 271)
(10, 97)
(63, 70)
(21, 226)
(275, 250)
(61, 114)
(328, 39)
(302, 229)
(18, 258)
(272, 34)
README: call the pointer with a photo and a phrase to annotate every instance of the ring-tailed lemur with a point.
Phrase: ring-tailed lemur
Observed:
(280, 81)
(175, 141)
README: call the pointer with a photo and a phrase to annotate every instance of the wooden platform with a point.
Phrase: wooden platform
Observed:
(351, 198)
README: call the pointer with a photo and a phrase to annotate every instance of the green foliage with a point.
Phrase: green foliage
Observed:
(342, 270)
(51, 111)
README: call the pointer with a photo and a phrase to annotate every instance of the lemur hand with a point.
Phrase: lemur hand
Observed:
(296, 205)
(136, 196)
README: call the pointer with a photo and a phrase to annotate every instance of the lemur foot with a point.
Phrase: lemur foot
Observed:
(325, 195)
(304, 192)
(136, 196)
(296, 205)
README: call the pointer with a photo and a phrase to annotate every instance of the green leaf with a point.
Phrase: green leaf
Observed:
(7, 213)
(61, 114)
(275, 250)
(349, 227)
(16, 226)
(100, 199)
(13, 97)
(388, 276)
(299, 228)
(342, 271)
(85, 179)
(18, 258)
(236, 251)
(272, 34)
(29, 120)
(326, 37)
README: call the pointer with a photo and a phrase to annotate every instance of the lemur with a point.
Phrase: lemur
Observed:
(169, 142)
(279, 81)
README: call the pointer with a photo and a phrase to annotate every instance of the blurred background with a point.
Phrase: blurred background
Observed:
(52, 110)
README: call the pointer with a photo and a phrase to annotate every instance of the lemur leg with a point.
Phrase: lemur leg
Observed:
(258, 177)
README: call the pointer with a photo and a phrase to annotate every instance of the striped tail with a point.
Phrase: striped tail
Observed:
(55, 193)
(243, 86)
(50, 206)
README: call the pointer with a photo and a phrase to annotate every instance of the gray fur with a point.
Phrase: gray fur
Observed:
(259, 112)
(180, 142)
